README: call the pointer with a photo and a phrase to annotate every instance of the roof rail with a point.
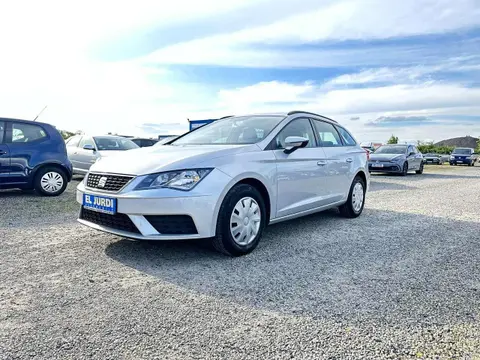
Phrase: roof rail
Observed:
(224, 117)
(310, 113)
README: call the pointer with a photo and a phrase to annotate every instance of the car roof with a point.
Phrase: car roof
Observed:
(25, 121)
(285, 114)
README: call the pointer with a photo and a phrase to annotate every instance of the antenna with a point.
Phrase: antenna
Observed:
(36, 117)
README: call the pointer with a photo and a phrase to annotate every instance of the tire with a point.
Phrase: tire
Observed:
(419, 171)
(239, 197)
(405, 169)
(350, 209)
(50, 181)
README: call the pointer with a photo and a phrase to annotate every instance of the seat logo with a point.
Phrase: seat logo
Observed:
(102, 182)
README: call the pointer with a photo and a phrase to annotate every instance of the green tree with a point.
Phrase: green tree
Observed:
(66, 134)
(477, 150)
(393, 140)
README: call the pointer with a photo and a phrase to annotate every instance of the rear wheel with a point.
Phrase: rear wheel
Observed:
(241, 220)
(420, 171)
(50, 181)
(356, 199)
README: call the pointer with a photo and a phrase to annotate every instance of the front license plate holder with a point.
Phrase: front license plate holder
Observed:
(103, 204)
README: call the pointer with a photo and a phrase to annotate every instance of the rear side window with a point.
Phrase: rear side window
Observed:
(73, 141)
(348, 139)
(327, 134)
(27, 133)
(2, 131)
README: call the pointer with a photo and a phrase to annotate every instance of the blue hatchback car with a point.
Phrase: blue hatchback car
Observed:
(33, 156)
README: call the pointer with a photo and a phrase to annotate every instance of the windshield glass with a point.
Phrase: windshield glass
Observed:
(232, 131)
(114, 143)
(462, 151)
(391, 149)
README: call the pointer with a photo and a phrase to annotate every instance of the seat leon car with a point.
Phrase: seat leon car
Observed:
(227, 180)
(85, 150)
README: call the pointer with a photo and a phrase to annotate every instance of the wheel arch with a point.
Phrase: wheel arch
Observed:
(256, 182)
(59, 166)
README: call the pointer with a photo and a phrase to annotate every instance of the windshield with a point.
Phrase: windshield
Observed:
(232, 131)
(431, 154)
(114, 143)
(391, 149)
(462, 151)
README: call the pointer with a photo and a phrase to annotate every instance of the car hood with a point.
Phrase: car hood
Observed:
(385, 157)
(155, 159)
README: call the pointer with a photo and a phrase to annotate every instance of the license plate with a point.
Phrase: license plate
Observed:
(101, 204)
(377, 165)
(459, 161)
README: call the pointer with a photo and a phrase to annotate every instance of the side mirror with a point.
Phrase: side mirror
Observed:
(88, 147)
(411, 154)
(293, 143)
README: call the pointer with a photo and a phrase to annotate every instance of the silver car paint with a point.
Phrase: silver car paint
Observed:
(305, 181)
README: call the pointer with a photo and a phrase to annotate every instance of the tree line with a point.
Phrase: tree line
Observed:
(426, 148)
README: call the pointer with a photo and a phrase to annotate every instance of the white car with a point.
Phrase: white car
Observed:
(228, 180)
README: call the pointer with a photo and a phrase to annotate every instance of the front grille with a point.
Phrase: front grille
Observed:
(112, 182)
(172, 224)
(117, 221)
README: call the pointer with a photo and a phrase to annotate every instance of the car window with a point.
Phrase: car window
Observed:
(297, 127)
(27, 133)
(327, 135)
(86, 141)
(2, 130)
(346, 137)
(73, 141)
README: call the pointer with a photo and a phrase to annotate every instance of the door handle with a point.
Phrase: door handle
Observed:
(322, 163)
(349, 160)
(2, 152)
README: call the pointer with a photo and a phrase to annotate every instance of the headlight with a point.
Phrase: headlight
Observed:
(179, 180)
(452, 157)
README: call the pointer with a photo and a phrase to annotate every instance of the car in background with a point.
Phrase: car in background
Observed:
(433, 158)
(166, 140)
(396, 158)
(33, 157)
(144, 142)
(84, 150)
(463, 156)
(227, 180)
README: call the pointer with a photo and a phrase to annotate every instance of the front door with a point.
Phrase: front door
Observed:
(86, 158)
(300, 174)
(4, 155)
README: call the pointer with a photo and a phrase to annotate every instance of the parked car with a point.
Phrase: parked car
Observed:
(463, 156)
(143, 142)
(165, 140)
(396, 158)
(84, 150)
(33, 157)
(227, 180)
(432, 158)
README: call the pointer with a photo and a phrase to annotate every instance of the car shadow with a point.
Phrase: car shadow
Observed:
(383, 266)
(382, 186)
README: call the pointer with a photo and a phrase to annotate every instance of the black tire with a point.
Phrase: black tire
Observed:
(223, 240)
(419, 171)
(405, 169)
(347, 210)
(38, 178)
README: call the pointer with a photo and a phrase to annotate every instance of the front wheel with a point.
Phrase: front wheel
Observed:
(420, 171)
(50, 181)
(241, 220)
(405, 169)
(356, 199)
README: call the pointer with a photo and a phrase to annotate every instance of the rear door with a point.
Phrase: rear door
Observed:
(300, 174)
(339, 160)
(4, 154)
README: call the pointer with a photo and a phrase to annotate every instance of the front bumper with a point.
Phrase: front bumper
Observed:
(386, 168)
(159, 214)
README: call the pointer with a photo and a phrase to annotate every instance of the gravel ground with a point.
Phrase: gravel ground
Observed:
(401, 281)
